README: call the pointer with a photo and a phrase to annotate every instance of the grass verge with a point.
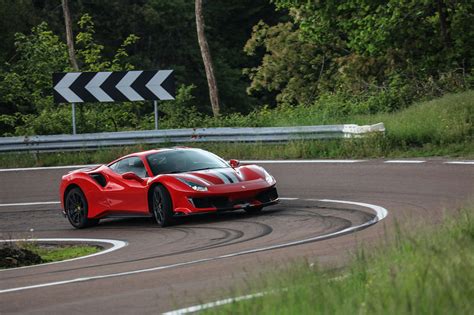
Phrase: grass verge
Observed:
(26, 254)
(424, 272)
(441, 127)
(51, 253)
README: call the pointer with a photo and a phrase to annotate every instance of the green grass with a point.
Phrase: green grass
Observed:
(60, 252)
(427, 272)
(441, 121)
(444, 119)
(441, 127)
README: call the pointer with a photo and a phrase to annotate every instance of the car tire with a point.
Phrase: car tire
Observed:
(162, 206)
(253, 210)
(76, 208)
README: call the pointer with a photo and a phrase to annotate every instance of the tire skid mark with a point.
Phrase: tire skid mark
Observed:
(381, 213)
(266, 230)
(188, 232)
(234, 236)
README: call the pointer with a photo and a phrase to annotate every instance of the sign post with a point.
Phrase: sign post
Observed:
(120, 86)
(155, 105)
(73, 107)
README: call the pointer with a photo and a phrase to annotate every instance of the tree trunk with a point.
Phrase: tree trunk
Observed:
(69, 36)
(443, 23)
(206, 58)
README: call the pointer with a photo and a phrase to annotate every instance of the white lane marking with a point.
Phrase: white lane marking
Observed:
(404, 161)
(29, 203)
(299, 161)
(197, 308)
(40, 168)
(45, 168)
(243, 161)
(201, 307)
(116, 244)
(381, 213)
(287, 198)
(460, 162)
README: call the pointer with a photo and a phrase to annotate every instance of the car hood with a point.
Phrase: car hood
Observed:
(219, 176)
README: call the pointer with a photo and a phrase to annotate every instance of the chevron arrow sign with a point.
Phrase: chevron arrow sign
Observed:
(121, 86)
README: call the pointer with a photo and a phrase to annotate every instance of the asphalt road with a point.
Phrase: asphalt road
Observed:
(192, 253)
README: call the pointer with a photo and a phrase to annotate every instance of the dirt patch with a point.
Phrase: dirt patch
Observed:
(13, 256)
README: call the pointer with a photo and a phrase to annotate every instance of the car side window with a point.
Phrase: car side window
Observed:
(132, 164)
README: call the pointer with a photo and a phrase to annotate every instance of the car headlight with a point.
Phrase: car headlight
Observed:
(194, 186)
(269, 178)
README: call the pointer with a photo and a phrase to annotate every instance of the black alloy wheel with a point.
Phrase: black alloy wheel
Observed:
(162, 206)
(76, 209)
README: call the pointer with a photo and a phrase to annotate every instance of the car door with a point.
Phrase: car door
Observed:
(127, 195)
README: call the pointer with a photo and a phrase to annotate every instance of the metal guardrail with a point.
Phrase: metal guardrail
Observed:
(106, 139)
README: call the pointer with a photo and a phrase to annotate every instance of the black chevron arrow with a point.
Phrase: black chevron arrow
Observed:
(169, 84)
(79, 87)
(110, 86)
(141, 81)
(58, 98)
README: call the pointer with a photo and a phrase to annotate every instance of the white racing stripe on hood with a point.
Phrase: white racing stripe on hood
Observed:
(232, 175)
(220, 175)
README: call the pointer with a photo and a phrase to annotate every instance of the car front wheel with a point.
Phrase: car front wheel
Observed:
(162, 206)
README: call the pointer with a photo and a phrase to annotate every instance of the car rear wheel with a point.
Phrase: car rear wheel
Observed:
(253, 210)
(77, 209)
(162, 206)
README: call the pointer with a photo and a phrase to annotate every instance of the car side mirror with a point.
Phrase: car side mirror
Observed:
(132, 176)
(234, 163)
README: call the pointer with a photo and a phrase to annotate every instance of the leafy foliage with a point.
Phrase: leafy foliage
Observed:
(333, 58)
(164, 37)
(27, 86)
(377, 56)
(290, 67)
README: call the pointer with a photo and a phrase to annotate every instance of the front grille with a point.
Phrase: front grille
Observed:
(224, 202)
(267, 195)
(210, 202)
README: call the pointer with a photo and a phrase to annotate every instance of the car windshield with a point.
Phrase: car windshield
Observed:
(180, 161)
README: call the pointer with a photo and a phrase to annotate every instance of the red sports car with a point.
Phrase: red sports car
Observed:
(166, 184)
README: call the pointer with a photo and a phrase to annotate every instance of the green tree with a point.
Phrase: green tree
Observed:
(374, 55)
(25, 86)
(291, 67)
(167, 38)
(15, 16)
(372, 41)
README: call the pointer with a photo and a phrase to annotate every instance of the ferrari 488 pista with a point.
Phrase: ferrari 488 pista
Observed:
(165, 184)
